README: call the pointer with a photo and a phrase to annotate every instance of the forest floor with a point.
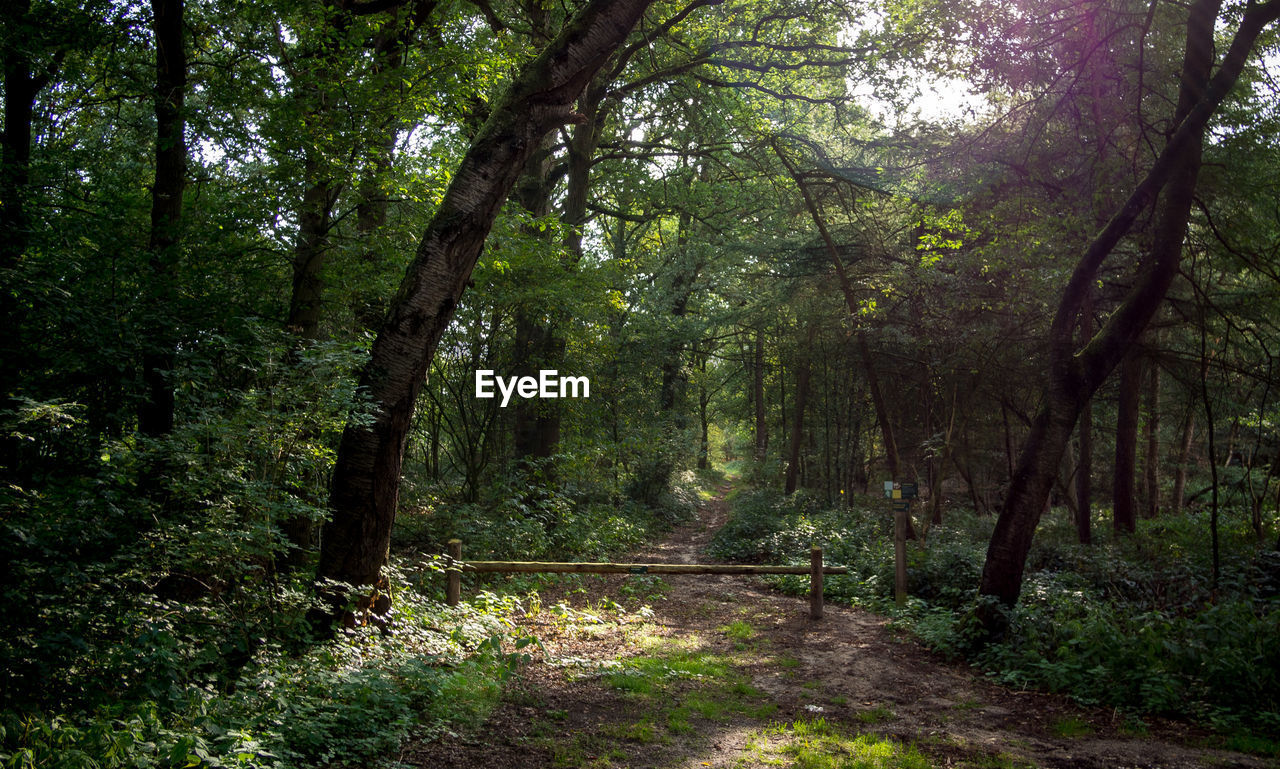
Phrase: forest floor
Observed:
(721, 671)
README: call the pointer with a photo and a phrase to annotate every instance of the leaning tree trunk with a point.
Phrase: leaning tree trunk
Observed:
(366, 479)
(1073, 378)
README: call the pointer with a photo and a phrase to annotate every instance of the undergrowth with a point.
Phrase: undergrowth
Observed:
(354, 698)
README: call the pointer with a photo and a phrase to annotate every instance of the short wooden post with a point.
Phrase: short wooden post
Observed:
(815, 582)
(453, 587)
(900, 555)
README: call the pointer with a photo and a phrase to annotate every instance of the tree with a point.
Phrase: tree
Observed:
(29, 62)
(1123, 504)
(155, 411)
(367, 473)
(1073, 377)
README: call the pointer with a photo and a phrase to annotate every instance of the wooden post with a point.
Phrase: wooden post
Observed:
(453, 587)
(900, 554)
(815, 582)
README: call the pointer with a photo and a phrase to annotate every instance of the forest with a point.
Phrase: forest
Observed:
(294, 293)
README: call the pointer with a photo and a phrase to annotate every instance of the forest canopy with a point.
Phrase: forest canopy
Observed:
(1023, 254)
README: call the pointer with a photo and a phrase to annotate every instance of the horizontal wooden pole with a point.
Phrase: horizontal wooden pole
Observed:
(638, 568)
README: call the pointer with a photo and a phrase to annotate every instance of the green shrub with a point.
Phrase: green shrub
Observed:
(352, 699)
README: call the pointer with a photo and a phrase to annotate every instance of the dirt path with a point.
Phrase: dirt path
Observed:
(727, 673)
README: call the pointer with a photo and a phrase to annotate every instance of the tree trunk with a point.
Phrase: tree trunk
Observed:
(938, 463)
(155, 412)
(704, 426)
(803, 370)
(1232, 435)
(704, 443)
(1084, 468)
(323, 181)
(581, 151)
(1008, 438)
(762, 425)
(1073, 378)
(1258, 496)
(1184, 456)
(1151, 501)
(1123, 506)
(322, 185)
(321, 188)
(1209, 437)
(536, 429)
(851, 304)
(366, 479)
(305, 304)
(536, 422)
(881, 409)
(310, 249)
(21, 86)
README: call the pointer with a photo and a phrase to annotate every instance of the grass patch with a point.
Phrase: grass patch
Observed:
(678, 721)
(740, 632)
(876, 715)
(817, 744)
(631, 683)
(642, 732)
(1244, 742)
(1072, 727)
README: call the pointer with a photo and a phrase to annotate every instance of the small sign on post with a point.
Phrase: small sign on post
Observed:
(900, 495)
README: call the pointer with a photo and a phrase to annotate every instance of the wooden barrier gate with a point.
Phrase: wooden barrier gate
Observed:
(815, 570)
